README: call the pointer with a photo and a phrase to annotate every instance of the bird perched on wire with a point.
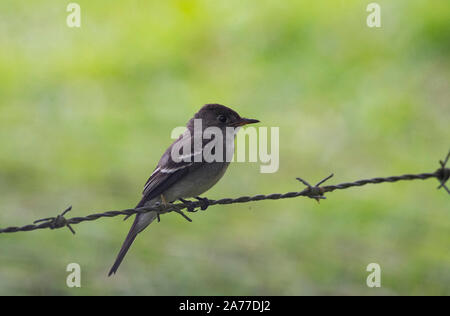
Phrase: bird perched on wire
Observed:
(190, 166)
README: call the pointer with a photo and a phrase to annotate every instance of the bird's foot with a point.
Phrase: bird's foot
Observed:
(204, 202)
(165, 204)
(190, 206)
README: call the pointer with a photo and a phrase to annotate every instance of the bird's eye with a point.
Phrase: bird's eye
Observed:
(222, 118)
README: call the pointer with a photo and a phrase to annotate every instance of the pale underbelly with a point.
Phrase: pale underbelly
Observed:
(197, 182)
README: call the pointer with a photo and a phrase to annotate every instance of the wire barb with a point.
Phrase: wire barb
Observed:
(182, 214)
(315, 192)
(58, 221)
(443, 173)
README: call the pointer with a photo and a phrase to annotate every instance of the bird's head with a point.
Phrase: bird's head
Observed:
(221, 116)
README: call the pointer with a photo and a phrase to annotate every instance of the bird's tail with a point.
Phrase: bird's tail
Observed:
(140, 222)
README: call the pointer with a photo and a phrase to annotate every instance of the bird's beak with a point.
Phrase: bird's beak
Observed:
(244, 121)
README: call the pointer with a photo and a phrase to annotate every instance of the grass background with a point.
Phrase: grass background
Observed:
(86, 113)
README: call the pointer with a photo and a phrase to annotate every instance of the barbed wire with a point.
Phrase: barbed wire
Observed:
(316, 192)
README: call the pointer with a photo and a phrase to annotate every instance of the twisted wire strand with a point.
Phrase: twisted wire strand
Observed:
(421, 176)
(315, 192)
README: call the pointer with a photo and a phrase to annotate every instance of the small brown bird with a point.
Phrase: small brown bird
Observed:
(188, 177)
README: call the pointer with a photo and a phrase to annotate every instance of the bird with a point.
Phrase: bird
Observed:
(186, 174)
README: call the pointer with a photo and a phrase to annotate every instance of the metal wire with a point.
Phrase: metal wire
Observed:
(315, 192)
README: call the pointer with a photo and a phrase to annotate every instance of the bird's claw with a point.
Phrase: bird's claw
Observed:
(190, 207)
(204, 202)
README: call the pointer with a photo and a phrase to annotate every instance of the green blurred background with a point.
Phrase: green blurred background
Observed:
(85, 113)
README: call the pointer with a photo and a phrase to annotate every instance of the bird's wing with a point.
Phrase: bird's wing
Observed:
(160, 181)
(169, 171)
